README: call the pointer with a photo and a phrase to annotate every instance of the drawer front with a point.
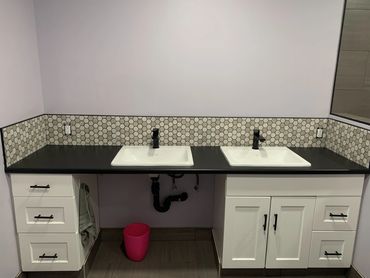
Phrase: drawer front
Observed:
(294, 185)
(50, 252)
(43, 215)
(24, 185)
(336, 213)
(332, 249)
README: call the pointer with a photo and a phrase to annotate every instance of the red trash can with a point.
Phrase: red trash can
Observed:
(136, 240)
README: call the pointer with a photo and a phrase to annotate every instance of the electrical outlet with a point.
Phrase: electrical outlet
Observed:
(67, 129)
(319, 132)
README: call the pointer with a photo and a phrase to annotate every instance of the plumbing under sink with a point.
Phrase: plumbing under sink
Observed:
(147, 156)
(263, 157)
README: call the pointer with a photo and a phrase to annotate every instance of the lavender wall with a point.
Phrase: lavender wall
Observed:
(127, 198)
(20, 81)
(20, 98)
(196, 57)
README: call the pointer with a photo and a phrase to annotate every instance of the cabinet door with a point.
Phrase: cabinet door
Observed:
(245, 234)
(290, 232)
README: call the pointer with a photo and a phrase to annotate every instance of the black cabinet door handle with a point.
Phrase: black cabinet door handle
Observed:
(265, 223)
(40, 186)
(44, 217)
(276, 218)
(338, 215)
(44, 256)
(333, 254)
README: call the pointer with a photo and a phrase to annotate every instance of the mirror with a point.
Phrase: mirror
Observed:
(351, 95)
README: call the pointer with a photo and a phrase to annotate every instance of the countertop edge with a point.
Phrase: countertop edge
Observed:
(10, 170)
(60, 159)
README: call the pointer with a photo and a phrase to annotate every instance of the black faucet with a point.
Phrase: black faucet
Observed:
(257, 137)
(155, 138)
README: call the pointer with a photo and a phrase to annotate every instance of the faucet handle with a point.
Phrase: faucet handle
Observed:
(256, 132)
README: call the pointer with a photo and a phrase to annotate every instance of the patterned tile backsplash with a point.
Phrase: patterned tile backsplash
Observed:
(194, 131)
(22, 139)
(26, 137)
(349, 141)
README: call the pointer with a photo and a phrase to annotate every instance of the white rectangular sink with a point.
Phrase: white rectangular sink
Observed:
(147, 156)
(264, 157)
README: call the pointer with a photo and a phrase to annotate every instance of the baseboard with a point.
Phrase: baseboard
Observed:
(353, 273)
(216, 253)
(56, 274)
(161, 234)
(311, 272)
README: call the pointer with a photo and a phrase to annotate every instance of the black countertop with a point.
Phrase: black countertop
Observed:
(97, 159)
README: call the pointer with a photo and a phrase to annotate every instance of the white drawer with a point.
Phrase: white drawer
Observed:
(50, 252)
(336, 213)
(45, 215)
(45, 185)
(332, 249)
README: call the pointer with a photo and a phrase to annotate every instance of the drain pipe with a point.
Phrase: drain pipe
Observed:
(167, 202)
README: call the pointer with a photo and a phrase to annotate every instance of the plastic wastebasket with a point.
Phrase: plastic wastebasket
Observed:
(136, 240)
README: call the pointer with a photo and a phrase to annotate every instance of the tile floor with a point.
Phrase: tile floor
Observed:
(166, 259)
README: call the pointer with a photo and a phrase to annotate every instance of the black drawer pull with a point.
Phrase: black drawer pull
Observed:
(265, 223)
(276, 218)
(338, 215)
(43, 256)
(333, 254)
(40, 186)
(44, 217)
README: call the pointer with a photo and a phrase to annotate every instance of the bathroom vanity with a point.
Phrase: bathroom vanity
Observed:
(286, 221)
(264, 217)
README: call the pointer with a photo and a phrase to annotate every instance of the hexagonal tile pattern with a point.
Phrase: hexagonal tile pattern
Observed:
(24, 138)
(349, 141)
(194, 131)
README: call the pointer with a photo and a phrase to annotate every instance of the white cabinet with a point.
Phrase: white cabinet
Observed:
(250, 223)
(310, 220)
(290, 232)
(47, 218)
(246, 225)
